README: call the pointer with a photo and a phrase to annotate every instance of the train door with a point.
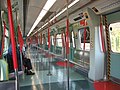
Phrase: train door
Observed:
(82, 48)
(85, 47)
(113, 21)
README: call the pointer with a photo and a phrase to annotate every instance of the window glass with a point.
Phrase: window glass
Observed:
(52, 40)
(58, 40)
(87, 41)
(73, 41)
(115, 36)
(6, 42)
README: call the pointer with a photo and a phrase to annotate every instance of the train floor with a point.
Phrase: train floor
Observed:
(50, 74)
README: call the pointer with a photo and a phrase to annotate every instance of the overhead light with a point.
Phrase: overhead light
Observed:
(61, 12)
(73, 3)
(49, 4)
(44, 25)
(40, 28)
(45, 9)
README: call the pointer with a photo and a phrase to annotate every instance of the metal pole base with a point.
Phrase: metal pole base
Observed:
(49, 74)
(17, 80)
(105, 78)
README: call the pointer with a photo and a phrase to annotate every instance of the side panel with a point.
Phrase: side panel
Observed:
(115, 57)
(115, 65)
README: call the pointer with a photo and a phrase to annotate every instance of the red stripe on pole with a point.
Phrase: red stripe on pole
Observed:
(63, 42)
(20, 38)
(41, 39)
(26, 40)
(49, 38)
(67, 36)
(102, 39)
(12, 36)
(30, 40)
(37, 38)
(84, 38)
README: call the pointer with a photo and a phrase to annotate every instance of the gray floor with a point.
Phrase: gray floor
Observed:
(57, 81)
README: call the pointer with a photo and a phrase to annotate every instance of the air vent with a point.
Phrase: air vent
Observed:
(77, 18)
(106, 5)
(111, 5)
(95, 9)
(46, 16)
(36, 27)
(81, 16)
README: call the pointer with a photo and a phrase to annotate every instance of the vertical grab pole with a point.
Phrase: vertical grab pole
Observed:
(13, 44)
(84, 39)
(85, 32)
(63, 44)
(103, 46)
(67, 45)
(41, 40)
(108, 48)
(55, 43)
(101, 35)
(20, 40)
(49, 73)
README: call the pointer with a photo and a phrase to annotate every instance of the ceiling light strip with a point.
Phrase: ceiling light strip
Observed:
(73, 3)
(43, 12)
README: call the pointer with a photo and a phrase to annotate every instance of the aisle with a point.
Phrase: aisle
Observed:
(58, 78)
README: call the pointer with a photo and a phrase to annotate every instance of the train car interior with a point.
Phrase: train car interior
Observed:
(59, 45)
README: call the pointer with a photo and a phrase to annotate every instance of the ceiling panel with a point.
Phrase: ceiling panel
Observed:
(58, 5)
(46, 16)
(34, 8)
(31, 17)
(37, 3)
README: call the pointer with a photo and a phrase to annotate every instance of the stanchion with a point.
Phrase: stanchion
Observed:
(13, 44)
(103, 46)
(67, 45)
(49, 58)
(108, 48)
(17, 80)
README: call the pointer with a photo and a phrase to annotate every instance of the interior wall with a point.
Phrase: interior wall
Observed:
(115, 65)
(115, 57)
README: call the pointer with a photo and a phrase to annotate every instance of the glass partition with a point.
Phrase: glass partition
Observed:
(115, 36)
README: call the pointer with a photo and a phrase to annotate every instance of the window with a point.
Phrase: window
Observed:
(87, 40)
(58, 40)
(115, 37)
(73, 41)
(52, 40)
(6, 42)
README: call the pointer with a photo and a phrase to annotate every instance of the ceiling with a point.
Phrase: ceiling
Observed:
(28, 11)
(35, 6)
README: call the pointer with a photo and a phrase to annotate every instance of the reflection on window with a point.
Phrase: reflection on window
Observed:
(6, 42)
(59, 40)
(73, 41)
(115, 37)
(87, 40)
(52, 40)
